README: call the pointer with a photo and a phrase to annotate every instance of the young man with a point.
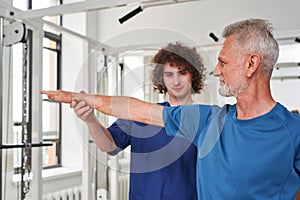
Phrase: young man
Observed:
(250, 150)
(162, 166)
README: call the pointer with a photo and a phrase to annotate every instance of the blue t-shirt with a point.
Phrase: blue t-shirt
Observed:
(162, 167)
(241, 159)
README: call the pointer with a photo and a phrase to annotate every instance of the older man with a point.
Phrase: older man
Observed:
(249, 150)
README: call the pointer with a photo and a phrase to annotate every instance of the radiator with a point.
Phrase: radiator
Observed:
(123, 186)
(66, 194)
(75, 192)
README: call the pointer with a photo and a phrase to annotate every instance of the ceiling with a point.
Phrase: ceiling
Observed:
(160, 21)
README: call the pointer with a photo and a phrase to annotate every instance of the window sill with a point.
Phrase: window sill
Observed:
(60, 172)
(52, 174)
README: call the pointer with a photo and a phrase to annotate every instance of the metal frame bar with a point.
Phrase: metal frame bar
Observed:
(75, 8)
(92, 5)
(12, 146)
(1, 97)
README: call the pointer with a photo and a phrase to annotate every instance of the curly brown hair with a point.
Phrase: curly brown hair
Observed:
(179, 55)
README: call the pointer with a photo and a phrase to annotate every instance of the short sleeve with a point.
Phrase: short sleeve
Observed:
(182, 121)
(120, 130)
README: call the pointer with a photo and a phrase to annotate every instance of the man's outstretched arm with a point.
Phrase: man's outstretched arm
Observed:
(119, 106)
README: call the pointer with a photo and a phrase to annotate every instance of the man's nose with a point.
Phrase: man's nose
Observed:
(217, 71)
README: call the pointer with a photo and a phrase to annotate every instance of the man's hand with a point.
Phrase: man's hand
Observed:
(83, 111)
(59, 95)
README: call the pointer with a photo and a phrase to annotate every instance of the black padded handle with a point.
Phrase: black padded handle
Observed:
(131, 14)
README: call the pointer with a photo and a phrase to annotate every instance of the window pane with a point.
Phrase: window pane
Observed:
(50, 155)
(49, 43)
(51, 110)
(20, 4)
(49, 69)
(38, 4)
(50, 120)
(54, 20)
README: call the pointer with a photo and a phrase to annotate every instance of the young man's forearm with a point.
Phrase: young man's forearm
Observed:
(101, 136)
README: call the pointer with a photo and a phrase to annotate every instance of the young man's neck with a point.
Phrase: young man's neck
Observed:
(180, 101)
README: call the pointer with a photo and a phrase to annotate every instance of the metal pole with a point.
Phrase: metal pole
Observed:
(1, 96)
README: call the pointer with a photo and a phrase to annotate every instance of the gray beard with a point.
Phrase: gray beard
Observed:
(227, 92)
(224, 91)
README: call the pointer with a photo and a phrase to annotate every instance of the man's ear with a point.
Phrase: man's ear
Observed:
(253, 62)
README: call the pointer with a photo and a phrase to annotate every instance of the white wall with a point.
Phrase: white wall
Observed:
(73, 55)
(196, 19)
(72, 60)
(192, 22)
(286, 92)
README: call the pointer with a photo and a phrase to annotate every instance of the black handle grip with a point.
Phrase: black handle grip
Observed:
(212, 35)
(131, 14)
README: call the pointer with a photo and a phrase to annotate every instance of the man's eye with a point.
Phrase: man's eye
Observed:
(222, 63)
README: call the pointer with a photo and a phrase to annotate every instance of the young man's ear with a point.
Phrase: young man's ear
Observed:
(252, 64)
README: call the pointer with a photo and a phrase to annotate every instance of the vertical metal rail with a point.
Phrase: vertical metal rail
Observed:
(1, 97)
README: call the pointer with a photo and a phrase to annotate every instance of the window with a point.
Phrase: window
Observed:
(51, 80)
(51, 110)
